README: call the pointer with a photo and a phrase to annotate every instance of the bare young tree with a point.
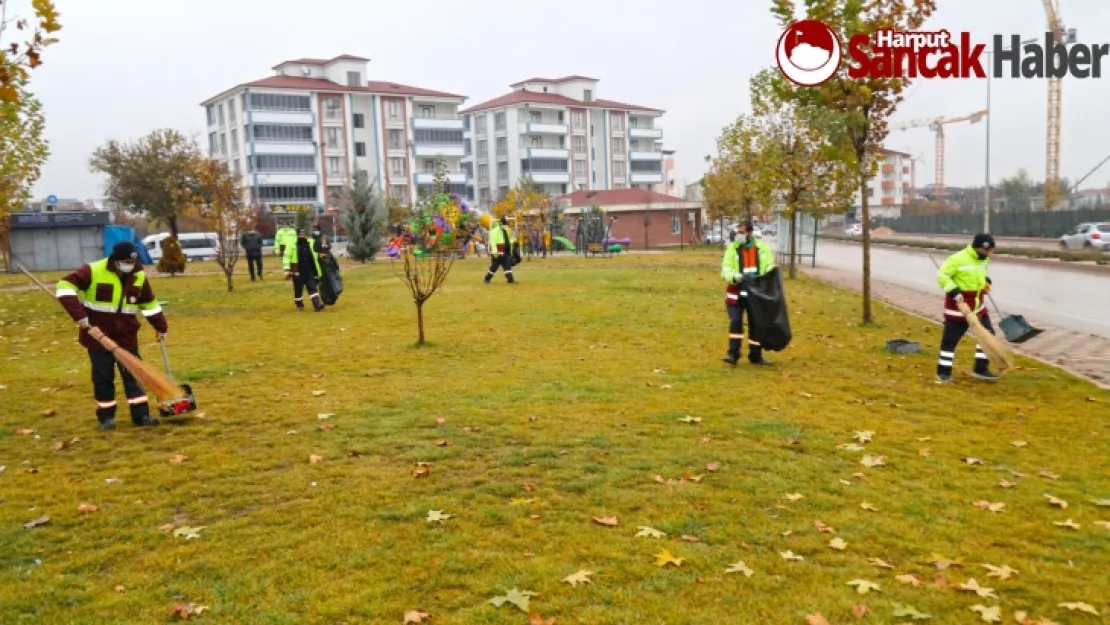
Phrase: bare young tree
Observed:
(219, 202)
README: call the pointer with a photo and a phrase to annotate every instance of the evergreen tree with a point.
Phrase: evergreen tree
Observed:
(363, 214)
(173, 257)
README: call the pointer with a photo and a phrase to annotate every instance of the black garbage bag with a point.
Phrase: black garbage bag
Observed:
(770, 325)
(331, 283)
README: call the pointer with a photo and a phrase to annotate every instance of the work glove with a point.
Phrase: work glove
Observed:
(161, 336)
(83, 323)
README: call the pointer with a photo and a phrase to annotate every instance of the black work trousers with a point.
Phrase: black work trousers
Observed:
(303, 281)
(104, 367)
(954, 330)
(503, 261)
(254, 263)
(736, 331)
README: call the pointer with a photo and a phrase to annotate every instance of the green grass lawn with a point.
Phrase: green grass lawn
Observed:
(561, 400)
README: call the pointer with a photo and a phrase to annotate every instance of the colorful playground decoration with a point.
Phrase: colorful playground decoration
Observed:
(447, 223)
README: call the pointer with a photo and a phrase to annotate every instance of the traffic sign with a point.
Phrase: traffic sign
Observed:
(52, 200)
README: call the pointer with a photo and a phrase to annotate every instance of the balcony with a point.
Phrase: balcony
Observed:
(424, 149)
(559, 153)
(283, 147)
(888, 201)
(888, 184)
(453, 177)
(646, 178)
(549, 177)
(286, 178)
(437, 122)
(305, 118)
(645, 133)
(539, 128)
(888, 168)
(645, 156)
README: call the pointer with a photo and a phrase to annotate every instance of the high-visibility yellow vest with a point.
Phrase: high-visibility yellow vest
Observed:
(102, 276)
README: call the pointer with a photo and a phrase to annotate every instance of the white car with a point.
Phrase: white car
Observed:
(855, 230)
(194, 245)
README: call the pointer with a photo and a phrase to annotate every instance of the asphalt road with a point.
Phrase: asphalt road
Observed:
(1060, 297)
(1045, 244)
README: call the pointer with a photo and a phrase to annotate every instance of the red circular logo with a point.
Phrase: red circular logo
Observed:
(808, 53)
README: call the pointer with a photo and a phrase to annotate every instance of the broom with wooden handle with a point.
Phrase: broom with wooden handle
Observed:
(152, 380)
(996, 351)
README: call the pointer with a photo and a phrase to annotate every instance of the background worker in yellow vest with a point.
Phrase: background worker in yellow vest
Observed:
(964, 277)
(500, 250)
(302, 263)
(109, 294)
(746, 257)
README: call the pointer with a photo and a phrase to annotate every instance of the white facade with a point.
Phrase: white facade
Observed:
(890, 189)
(564, 137)
(299, 137)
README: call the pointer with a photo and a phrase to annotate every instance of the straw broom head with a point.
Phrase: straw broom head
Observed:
(993, 347)
(154, 382)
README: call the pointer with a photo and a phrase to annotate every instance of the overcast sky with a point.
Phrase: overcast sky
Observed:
(125, 67)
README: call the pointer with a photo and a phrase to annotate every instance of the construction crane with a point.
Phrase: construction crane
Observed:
(1055, 104)
(937, 126)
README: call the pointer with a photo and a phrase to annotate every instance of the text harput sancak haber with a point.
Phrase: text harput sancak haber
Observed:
(894, 54)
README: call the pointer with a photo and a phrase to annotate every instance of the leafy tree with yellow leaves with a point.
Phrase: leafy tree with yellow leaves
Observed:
(218, 199)
(18, 58)
(800, 170)
(855, 110)
(23, 150)
(732, 186)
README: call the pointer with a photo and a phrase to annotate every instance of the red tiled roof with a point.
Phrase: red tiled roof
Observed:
(619, 197)
(520, 97)
(341, 57)
(322, 84)
(554, 80)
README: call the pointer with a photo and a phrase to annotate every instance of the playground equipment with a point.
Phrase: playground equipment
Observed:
(446, 224)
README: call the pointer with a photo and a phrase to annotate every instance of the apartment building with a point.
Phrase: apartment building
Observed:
(890, 189)
(557, 131)
(300, 136)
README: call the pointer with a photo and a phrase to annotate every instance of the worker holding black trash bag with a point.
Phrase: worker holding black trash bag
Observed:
(302, 263)
(963, 277)
(746, 259)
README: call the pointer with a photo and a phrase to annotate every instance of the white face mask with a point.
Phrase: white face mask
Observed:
(126, 267)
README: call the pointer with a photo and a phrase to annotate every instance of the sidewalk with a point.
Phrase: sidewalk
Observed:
(1083, 355)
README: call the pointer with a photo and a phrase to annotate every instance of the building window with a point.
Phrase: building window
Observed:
(535, 117)
(213, 144)
(618, 146)
(483, 173)
(211, 115)
(537, 142)
(360, 148)
(618, 169)
(578, 119)
(676, 224)
(427, 112)
(223, 143)
(634, 145)
(580, 168)
(430, 136)
(297, 134)
(579, 145)
(502, 172)
(484, 197)
(333, 109)
(634, 122)
(220, 113)
(281, 163)
(275, 102)
(618, 121)
(272, 194)
(359, 121)
(231, 112)
(480, 124)
(400, 192)
(397, 167)
(335, 166)
(499, 121)
(235, 141)
(235, 166)
(354, 79)
(395, 139)
(393, 110)
(588, 95)
(502, 146)
(483, 148)
(331, 138)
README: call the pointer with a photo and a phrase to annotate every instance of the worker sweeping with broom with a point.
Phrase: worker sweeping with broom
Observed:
(113, 292)
(963, 276)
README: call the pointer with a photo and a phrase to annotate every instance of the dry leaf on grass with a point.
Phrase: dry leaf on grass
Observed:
(794, 496)
(581, 577)
(319, 393)
(415, 617)
(1006, 484)
(421, 472)
(972, 461)
(909, 580)
(942, 562)
(664, 558)
(739, 567)
(24, 432)
(880, 563)
(688, 538)
(649, 532)
(790, 555)
(863, 437)
(863, 586)
(924, 453)
(1079, 606)
(851, 447)
(178, 459)
(1019, 443)
(49, 412)
(868, 507)
(838, 543)
(712, 467)
(327, 427)
(821, 527)
(607, 521)
(1056, 501)
(1049, 475)
(992, 507)
(440, 420)
(314, 459)
(816, 619)
(515, 597)
(873, 461)
(87, 508)
(42, 520)
(538, 619)
(988, 615)
(860, 610)
(183, 611)
(437, 516)
(689, 419)
(910, 611)
(1068, 524)
(119, 588)
(973, 586)
(188, 533)
(1001, 572)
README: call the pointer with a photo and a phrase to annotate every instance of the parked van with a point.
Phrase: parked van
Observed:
(195, 245)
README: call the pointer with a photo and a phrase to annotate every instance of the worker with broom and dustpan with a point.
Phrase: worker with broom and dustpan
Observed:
(114, 291)
(963, 276)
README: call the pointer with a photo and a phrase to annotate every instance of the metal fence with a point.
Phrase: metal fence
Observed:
(1027, 224)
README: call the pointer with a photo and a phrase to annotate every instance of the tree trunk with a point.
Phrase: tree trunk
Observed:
(793, 245)
(173, 225)
(420, 322)
(865, 219)
(230, 287)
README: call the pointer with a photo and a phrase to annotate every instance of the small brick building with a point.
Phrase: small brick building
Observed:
(664, 221)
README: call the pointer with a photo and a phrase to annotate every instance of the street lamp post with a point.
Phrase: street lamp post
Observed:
(987, 181)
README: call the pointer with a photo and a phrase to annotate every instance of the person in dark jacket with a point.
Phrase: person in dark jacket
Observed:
(110, 294)
(252, 245)
(302, 264)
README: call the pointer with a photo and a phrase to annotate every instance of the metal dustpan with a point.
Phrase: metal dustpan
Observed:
(1014, 327)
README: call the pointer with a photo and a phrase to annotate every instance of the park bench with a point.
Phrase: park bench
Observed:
(598, 249)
